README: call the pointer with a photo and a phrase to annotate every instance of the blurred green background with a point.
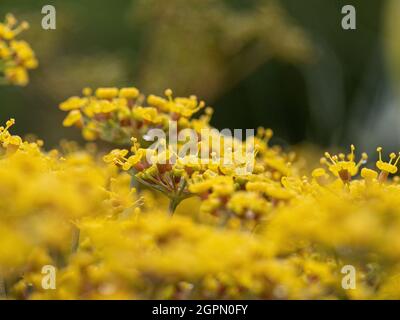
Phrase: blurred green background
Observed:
(285, 64)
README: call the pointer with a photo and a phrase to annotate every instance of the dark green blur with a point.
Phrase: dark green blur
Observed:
(288, 65)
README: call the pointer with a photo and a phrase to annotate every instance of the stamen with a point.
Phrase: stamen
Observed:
(392, 156)
(352, 148)
(397, 160)
(364, 158)
(328, 156)
(379, 149)
(135, 145)
(9, 124)
(169, 93)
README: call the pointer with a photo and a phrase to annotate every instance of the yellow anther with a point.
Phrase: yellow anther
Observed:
(387, 167)
(106, 93)
(168, 93)
(9, 123)
(369, 174)
(319, 172)
(87, 92)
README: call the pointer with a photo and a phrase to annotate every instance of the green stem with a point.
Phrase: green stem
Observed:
(3, 288)
(178, 197)
(75, 238)
(134, 181)
(224, 220)
(174, 202)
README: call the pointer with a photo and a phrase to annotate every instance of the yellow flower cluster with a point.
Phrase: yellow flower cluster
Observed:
(281, 234)
(271, 234)
(16, 56)
(256, 227)
(117, 115)
(228, 191)
(44, 196)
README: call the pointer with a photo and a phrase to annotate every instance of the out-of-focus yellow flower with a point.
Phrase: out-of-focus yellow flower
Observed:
(117, 115)
(16, 56)
(107, 93)
(270, 233)
(74, 117)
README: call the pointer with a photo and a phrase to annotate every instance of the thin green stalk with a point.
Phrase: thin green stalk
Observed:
(134, 181)
(174, 202)
(178, 197)
(224, 220)
(75, 238)
(3, 288)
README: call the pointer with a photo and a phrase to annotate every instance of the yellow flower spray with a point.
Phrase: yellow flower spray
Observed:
(273, 232)
(16, 56)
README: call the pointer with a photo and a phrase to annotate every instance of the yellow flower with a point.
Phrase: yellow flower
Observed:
(147, 114)
(270, 189)
(342, 168)
(17, 57)
(249, 204)
(219, 185)
(129, 93)
(115, 156)
(106, 93)
(369, 174)
(319, 172)
(387, 167)
(134, 160)
(107, 107)
(89, 132)
(24, 54)
(72, 104)
(73, 118)
(17, 75)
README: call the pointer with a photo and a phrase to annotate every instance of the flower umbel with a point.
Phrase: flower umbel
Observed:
(16, 56)
(387, 167)
(344, 167)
